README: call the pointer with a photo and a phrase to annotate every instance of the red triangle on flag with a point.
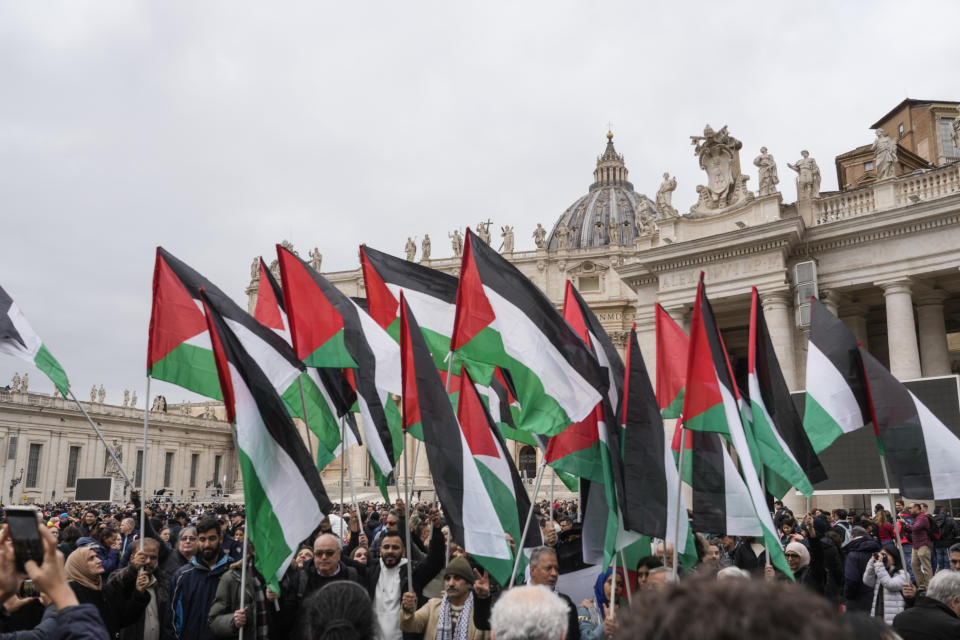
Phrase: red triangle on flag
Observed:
(175, 317)
(473, 422)
(381, 305)
(474, 312)
(267, 311)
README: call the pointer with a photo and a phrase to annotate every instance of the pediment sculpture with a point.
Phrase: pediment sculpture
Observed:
(719, 156)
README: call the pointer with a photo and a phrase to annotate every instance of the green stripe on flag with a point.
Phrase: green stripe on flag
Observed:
(263, 527)
(820, 426)
(332, 353)
(675, 408)
(190, 367)
(506, 508)
(321, 420)
(49, 365)
(713, 419)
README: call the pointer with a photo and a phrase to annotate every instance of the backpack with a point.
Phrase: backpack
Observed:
(845, 526)
(937, 522)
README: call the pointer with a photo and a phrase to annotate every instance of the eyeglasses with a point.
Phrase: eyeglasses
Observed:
(188, 538)
(792, 555)
(326, 553)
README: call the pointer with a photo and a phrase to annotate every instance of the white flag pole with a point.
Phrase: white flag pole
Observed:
(679, 502)
(143, 468)
(306, 422)
(243, 571)
(526, 526)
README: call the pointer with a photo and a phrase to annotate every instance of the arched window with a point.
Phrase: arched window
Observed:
(527, 463)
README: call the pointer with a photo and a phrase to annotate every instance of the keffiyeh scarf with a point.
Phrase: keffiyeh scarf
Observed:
(445, 630)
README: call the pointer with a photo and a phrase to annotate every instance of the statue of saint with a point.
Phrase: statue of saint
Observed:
(539, 236)
(613, 230)
(808, 180)
(456, 241)
(101, 394)
(483, 231)
(25, 383)
(316, 259)
(93, 394)
(110, 466)
(665, 196)
(126, 397)
(507, 236)
(16, 382)
(425, 248)
(410, 248)
(133, 398)
(767, 168)
(563, 236)
(885, 155)
(255, 269)
(275, 269)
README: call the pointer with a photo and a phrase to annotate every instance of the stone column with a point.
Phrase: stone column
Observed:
(855, 317)
(934, 354)
(831, 300)
(681, 314)
(901, 330)
(778, 312)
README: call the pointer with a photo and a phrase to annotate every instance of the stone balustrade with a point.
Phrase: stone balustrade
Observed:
(908, 189)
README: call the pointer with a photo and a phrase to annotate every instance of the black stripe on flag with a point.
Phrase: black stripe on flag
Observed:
(644, 450)
(8, 332)
(838, 344)
(776, 398)
(413, 276)
(597, 330)
(717, 351)
(708, 482)
(193, 282)
(900, 430)
(273, 413)
(504, 278)
(441, 431)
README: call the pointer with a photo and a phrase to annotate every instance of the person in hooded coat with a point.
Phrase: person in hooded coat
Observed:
(859, 550)
(885, 574)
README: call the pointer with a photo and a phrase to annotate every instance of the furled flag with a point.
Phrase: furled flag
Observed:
(504, 319)
(924, 455)
(284, 496)
(650, 477)
(836, 397)
(672, 344)
(784, 449)
(710, 404)
(470, 512)
(320, 387)
(721, 501)
(17, 338)
(176, 313)
(329, 330)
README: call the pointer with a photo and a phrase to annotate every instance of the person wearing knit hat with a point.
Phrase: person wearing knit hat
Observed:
(463, 613)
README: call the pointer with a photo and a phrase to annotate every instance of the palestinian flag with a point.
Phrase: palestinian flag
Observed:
(924, 455)
(321, 408)
(330, 330)
(503, 319)
(284, 497)
(469, 509)
(672, 344)
(721, 501)
(17, 338)
(710, 404)
(836, 397)
(785, 451)
(650, 477)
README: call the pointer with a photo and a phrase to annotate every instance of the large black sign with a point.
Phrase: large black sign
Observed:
(94, 489)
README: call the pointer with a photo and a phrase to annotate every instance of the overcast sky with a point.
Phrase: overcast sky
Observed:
(216, 129)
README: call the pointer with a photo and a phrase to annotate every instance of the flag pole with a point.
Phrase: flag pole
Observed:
(626, 587)
(343, 457)
(763, 486)
(679, 502)
(100, 435)
(896, 531)
(406, 523)
(526, 526)
(243, 572)
(303, 407)
(143, 468)
(611, 615)
(553, 478)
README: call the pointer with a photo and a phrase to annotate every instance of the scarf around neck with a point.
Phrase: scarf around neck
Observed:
(445, 621)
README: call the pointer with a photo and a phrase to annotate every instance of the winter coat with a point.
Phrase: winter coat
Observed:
(42, 631)
(877, 576)
(81, 622)
(299, 584)
(227, 600)
(119, 606)
(192, 589)
(928, 619)
(859, 552)
(813, 576)
(833, 566)
(161, 591)
(109, 558)
(423, 571)
(425, 619)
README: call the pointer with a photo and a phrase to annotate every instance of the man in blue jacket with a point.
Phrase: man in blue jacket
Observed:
(194, 585)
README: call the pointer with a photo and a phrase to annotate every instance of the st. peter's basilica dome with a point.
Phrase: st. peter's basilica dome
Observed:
(608, 214)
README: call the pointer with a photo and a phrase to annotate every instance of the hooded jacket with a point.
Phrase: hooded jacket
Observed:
(857, 595)
(192, 589)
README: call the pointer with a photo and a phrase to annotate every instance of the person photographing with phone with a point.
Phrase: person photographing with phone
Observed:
(885, 574)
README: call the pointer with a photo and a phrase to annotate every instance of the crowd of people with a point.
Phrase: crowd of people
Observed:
(877, 575)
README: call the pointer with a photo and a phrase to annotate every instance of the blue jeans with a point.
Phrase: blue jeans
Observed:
(941, 558)
(908, 553)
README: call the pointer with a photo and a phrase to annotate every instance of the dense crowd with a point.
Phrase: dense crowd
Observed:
(356, 578)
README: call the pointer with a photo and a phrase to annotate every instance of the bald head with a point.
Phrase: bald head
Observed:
(326, 554)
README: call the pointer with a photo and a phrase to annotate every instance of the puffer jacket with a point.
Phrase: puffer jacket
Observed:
(859, 552)
(192, 589)
(877, 576)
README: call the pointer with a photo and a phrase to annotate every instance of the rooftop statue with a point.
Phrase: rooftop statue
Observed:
(456, 241)
(808, 180)
(539, 236)
(719, 155)
(767, 169)
(885, 155)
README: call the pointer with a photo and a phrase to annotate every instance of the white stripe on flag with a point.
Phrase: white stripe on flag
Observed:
(386, 352)
(754, 385)
(482, 531)
(741, 516)
(29, 336)
(277, 369)
(604, 362)
(430, 312)
(830, 390)
(673, 488)
(943, 453)
(371, 436)
(524, 341)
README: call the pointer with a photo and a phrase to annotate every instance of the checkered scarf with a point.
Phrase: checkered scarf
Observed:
(445, 623)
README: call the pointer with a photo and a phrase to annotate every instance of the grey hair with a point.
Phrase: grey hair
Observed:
(732, 573)
(666, 570)
(539, 551)
(944, 586)
(531, 612)
(955, 548)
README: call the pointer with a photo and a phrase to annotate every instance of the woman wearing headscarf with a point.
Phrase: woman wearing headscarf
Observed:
(886, 575)
(592, 614)
(119, 606)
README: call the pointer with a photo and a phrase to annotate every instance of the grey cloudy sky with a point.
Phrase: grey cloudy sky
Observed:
(216, 129)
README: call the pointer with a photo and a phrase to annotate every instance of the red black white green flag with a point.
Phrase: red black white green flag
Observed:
(784, 448)
(672, 344)
(711, 405)
(504, 319)
(284, 496)
(452, 452)
(17, 338)
(330, 330)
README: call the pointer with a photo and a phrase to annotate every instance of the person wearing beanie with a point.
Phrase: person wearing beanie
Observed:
(463, 613)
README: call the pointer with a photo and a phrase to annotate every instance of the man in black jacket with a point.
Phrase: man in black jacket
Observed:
(935, 615)
(544, 570)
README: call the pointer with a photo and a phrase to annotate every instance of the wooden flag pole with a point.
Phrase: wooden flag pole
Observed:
(143, 468)
(526, 526)
(100, 435)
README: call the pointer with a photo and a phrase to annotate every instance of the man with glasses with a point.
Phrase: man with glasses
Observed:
(143, 569)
